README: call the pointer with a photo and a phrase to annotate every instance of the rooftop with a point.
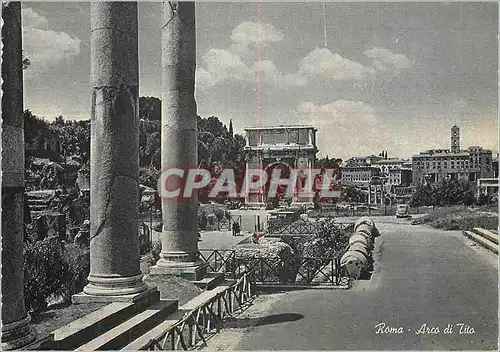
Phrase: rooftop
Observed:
(391, 161)
(442, 152)
(279, 146)
(280, 127)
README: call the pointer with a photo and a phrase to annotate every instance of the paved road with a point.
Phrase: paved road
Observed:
(220, 239)
(422, 276)
(249, 218)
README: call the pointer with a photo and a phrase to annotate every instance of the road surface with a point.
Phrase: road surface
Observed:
(220, 239)
(422, 276)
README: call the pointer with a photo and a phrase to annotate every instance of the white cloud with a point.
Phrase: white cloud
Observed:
(251, 33)
(383, 60)
(33, 19)
(219, 65)
(269, 73)
(459, 106)
(344, 127)
(45, 48)
(323, 63)
(340, 112)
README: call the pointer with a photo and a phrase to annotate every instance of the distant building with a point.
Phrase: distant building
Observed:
(494, 165)
(436, 165)
(399, 176)
(358, 173)
(487, 187)
(364, 160)
(396, 171)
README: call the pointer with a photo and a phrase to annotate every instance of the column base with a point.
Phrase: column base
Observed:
(114, 285)
(192, 271)
(17, 334)
(151, 294)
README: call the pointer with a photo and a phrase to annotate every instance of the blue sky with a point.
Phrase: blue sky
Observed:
(393, 76)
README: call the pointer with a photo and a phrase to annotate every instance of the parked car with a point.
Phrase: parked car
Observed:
(402, 211)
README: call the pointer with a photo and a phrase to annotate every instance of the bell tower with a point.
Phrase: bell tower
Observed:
(455, 139)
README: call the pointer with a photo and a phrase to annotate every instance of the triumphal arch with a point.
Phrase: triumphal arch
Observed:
(289, 148)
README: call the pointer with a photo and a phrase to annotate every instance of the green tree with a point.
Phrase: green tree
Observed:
(422, 196)
(150, 108)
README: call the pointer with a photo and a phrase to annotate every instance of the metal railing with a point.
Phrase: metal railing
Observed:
(206, 319)
(278, 271)
(297, 271)
(306, 227)
(219, 260)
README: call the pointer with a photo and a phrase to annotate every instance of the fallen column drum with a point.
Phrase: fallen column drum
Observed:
(361, 238)
(364, 220)
(369, 230)
(354, 263)
(358, 247)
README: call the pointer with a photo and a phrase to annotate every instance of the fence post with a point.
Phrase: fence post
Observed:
(334, 278)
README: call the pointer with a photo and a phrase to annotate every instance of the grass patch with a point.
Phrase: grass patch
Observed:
(462, 218)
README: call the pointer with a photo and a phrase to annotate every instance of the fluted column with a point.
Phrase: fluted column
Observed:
(16, 331)
(179, 253)
(114, 158)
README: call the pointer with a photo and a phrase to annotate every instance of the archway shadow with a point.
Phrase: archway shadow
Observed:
(240, 323)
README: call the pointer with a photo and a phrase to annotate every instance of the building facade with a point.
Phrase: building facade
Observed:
(437, 165)
(358, 174)
(283, 147)
(399, 176)
(495, 166)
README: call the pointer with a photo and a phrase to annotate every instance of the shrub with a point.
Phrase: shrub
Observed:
(202, 220)
(78, 261)
(45, 272)
(52, 270)
(154, 255)
(460, 218)
(219, 213)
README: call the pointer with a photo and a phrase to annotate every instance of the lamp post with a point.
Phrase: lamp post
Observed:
(369, 196)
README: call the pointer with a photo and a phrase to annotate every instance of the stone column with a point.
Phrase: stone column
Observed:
(310, 179)
(253, 197)
(114, 188)
(247, 166)
(297, 185)
(16, 331)
(179, 254)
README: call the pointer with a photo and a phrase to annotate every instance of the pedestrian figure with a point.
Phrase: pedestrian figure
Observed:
(255, 238)
(236, 229)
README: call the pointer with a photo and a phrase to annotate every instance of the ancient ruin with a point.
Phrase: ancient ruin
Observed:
(16, 331)
(179, 253)
(114, 242)
(284, 147)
